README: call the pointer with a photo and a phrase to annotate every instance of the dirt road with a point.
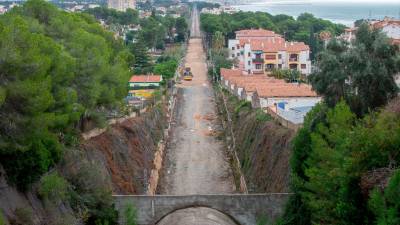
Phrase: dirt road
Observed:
(196, 161)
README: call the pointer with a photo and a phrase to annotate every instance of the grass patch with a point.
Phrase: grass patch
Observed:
(53, 187)
(262, 116)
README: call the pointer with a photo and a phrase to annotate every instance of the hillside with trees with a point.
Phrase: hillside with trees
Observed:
(305, 28)
(154, 34)
(345, 160)
(57, 68)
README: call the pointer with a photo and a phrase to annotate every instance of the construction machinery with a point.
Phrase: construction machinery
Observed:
(187, 74)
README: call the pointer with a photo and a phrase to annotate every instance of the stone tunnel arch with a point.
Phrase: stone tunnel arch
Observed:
(241, 209)
(197, 215)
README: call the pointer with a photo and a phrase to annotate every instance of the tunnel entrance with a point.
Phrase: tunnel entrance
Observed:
(197, 216)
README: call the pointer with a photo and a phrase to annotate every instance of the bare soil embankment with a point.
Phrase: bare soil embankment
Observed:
(126, 151)
(262, 145)
(120, 159)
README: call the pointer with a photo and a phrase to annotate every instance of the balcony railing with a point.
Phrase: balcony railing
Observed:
(258, 60)
(293, 59)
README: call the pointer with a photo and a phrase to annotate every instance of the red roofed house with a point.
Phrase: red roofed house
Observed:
(289, 94)
(226, 74)
(260, 51)
(143, 86)
(390, 26)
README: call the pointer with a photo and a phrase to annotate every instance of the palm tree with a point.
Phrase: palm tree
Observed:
(218, 41)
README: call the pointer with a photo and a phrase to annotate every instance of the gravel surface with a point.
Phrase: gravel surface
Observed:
(196, 161)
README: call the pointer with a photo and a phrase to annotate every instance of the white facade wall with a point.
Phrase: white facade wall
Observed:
(291, 101)
(121, 5)
(392, 31)
(247, 58)
(249, 96)
(239, 92)
(304, 58)
(232, 44)
(283, 59)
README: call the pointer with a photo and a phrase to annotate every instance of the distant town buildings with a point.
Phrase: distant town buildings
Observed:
(261, 51)
(7, 7)
(389, 26)
(218, 11)
(121, 5)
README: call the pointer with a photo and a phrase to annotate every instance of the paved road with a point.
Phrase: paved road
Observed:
(196, 161)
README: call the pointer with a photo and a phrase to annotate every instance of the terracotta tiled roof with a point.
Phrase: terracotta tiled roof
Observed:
(395, 41)
(145, 78)
(230, 72)
(384, 23)
(255, 33)
(288, 90)
(276, 45)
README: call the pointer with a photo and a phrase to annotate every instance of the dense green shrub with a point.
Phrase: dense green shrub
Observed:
(130, 215)
(53, 187)
(331, 154)
(2, 219)
(386, 205)
(55, 65)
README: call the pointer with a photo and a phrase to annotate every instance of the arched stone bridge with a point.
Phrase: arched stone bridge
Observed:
(243, 209)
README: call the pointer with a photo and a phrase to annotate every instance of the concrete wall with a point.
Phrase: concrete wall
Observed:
(392, 31)
(244, 209)
(232, 43)
(291, 101)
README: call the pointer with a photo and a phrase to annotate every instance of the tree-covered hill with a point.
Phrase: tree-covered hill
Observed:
(56, 68)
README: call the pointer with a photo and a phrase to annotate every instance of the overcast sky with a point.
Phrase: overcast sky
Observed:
(360, 1)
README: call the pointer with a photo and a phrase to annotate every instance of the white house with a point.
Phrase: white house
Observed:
(286, 95)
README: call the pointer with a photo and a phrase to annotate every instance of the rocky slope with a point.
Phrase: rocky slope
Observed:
(262, 145)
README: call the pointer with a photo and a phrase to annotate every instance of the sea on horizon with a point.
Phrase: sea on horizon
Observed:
(339, 12)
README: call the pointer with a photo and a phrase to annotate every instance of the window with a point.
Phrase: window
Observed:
(238, 54)
(303, 66)
(233, 55)
(280, 66)
(279, 56)
(270, 66)
(233, 48)
(249, 63)
(258, 56)
(249, 54)
(258, 66)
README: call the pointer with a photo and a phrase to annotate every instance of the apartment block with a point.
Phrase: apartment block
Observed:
(121, 5)
(261, 51)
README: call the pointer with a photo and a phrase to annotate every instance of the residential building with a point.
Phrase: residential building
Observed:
(391, 27)
(261, 51)
(143, 86)
(349, 35)
(221, 9)
(288, 102)
(286, 96)
(122, 5)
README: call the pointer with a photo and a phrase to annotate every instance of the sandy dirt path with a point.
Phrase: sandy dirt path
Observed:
(196, 161)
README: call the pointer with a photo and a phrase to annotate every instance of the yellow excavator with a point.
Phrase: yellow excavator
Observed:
(187, 73)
